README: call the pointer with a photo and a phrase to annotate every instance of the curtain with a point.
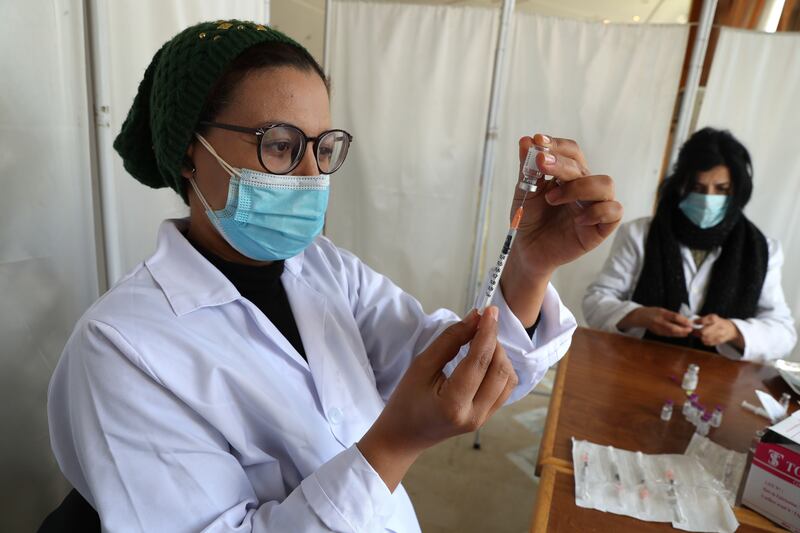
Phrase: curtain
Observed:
(48, 256)
(411, 83)
(611, 88)
(48, 272)
(753, 90)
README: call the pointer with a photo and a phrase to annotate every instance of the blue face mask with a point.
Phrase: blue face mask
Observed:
(268, 217)
(705, 210)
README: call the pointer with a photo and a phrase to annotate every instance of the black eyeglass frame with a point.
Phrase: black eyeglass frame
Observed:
(261, 132)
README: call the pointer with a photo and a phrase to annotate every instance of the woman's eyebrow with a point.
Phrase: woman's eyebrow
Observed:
(267, 123)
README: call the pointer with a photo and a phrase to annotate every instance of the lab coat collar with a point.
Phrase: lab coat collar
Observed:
(188, 281)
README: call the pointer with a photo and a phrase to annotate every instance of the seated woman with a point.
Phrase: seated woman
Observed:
(702, 251)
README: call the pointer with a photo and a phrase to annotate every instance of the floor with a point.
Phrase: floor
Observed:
(456, 488)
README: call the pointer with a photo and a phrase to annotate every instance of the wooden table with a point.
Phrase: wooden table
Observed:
(609, 390)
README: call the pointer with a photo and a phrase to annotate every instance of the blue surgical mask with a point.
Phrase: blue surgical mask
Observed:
(268, 217)
(705, 210)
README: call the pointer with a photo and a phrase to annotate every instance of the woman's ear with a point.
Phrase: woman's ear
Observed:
(187, 167)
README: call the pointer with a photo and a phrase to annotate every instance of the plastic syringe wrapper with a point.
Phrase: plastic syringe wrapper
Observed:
(726, 466)
(638, 485)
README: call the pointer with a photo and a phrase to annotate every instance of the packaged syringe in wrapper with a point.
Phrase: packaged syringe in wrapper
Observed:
(772, 487)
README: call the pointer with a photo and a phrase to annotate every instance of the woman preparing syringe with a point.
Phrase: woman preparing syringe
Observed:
(240, 411)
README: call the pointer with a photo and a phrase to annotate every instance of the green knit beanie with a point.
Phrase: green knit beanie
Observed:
(176, 84)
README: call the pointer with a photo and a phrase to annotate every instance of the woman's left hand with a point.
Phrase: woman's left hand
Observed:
(555, 229)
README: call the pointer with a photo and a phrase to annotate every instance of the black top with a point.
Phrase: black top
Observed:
(262, 286)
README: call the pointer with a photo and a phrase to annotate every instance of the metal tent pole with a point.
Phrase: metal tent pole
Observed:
(490, 141)
(693, 78)
(326, 50)
(98, 66)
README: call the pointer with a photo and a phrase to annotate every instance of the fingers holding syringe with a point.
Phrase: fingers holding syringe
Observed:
(561, 158)
(563, 148)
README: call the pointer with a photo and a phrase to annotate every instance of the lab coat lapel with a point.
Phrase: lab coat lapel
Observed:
(309, 307)
(274, 335)
(330, 352)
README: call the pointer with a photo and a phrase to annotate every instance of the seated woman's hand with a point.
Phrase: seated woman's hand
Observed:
(427, 407)
(657, 320)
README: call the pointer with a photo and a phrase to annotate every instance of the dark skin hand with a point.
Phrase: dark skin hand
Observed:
(554, 229)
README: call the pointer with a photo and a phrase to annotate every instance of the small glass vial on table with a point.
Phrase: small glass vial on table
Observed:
(666, 411)
(785, 399)
(704, 425)
(687, 405)
(690, 379)
(697, 413)
(716, 417)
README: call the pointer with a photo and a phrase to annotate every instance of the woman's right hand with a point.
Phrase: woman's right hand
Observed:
(657, 320)
(428, 407)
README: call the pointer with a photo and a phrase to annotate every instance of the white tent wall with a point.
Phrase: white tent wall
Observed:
(48, 258)
(48, 273)
(610, 87)
(412, 83)
(752, 91)
(137, 29)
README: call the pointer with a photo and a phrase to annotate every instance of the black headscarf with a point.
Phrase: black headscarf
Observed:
(738, 274)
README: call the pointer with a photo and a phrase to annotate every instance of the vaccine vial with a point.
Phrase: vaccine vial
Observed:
(785, 399)
(530, 170)
(687, 405)
(690, 379)
(697, 412)
(704, 424)
(716, 417)
(666, 411)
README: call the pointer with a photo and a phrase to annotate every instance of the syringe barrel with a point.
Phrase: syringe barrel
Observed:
(493, 278)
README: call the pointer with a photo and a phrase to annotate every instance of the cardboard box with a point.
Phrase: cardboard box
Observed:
(772, 487)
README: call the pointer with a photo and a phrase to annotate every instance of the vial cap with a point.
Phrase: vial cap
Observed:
(706, 417)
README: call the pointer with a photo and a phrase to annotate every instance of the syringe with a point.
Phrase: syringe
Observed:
(529, 183)
(494, 274)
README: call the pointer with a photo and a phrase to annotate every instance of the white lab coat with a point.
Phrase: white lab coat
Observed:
(770, 334)
(177, 406)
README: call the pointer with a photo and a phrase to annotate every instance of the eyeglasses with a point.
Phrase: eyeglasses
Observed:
(281, 147)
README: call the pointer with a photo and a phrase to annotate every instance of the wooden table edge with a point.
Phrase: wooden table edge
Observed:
(561, 464)
(751, 518)
(544, 497)
(547, 444)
